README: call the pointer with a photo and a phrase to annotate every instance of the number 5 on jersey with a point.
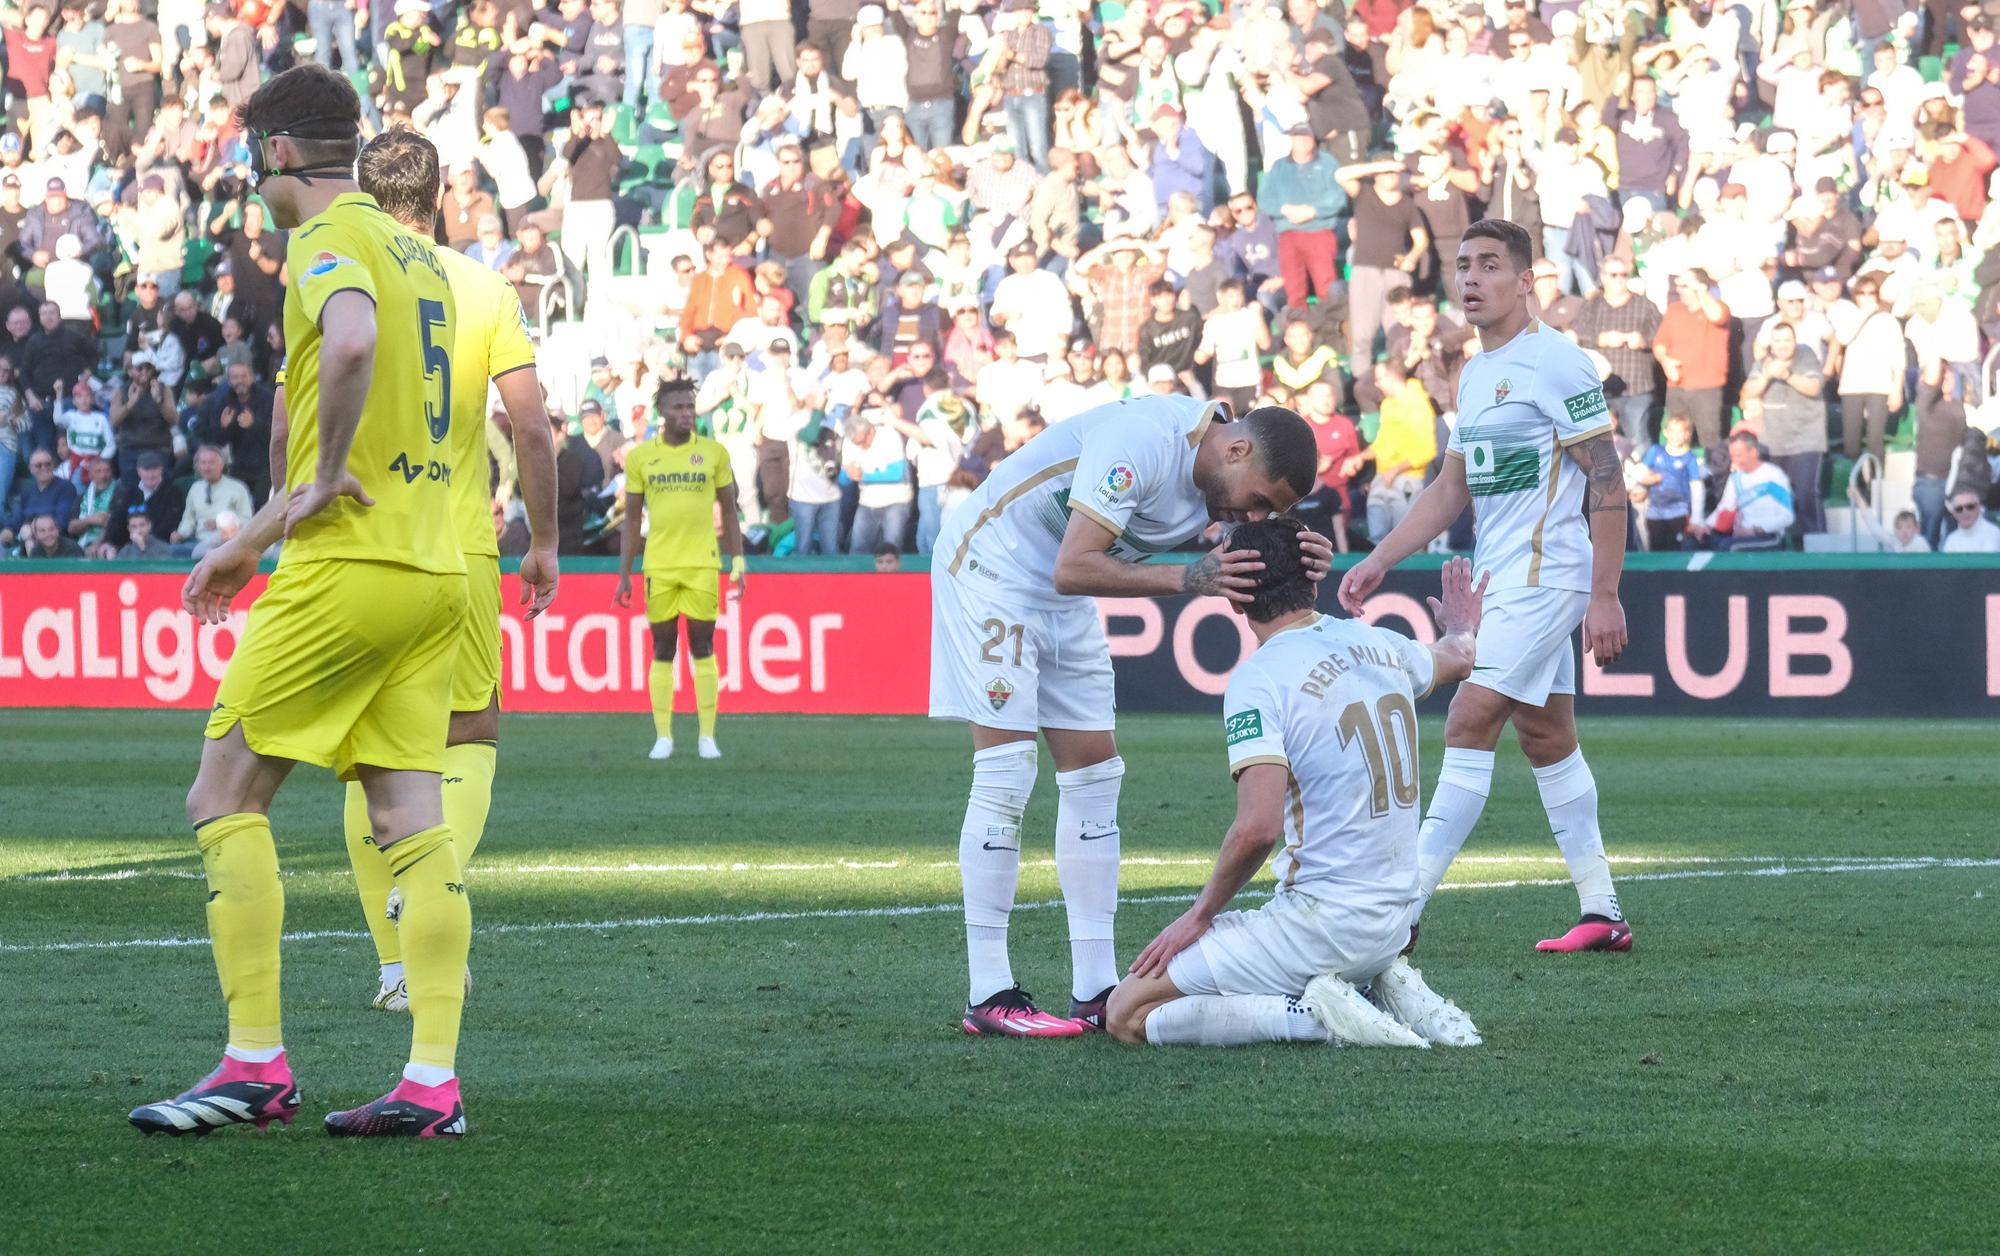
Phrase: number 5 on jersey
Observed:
(437, 365)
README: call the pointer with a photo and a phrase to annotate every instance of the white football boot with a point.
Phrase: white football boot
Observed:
(1353, 1020)
(662, 749)
(707, 748)
(1400, 991)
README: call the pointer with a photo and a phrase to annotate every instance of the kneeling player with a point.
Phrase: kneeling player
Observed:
(1322, 735)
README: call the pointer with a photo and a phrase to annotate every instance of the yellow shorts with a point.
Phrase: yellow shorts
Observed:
(475, 675)
(346, 663)
(695, 592)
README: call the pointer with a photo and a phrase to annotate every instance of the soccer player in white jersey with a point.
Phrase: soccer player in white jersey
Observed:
(1321, 726)
(1017, 646)
(1532, 454)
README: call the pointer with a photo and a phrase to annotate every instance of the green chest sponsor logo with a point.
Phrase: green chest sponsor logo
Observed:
(1586, 405)
(1243, 726)
(1496, 465)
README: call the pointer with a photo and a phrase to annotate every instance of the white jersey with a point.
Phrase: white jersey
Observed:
(1519, 407)
(1129, 465)
(1333, 702)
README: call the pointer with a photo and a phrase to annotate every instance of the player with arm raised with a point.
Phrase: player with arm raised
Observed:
(1017, 646)
(676, 484)
(399, 168)
(1533, 455)
(1321, 726)
(346, 662)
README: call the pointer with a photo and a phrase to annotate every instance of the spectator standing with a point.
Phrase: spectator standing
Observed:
(1301, 192)
(1621, 324)
(56, 357)
(1233, 339)
(1033, 304)
(1676, 484)
(1405, 445)
(830, 27)
(86, 428)
(1388, 243)
(1338, 442)
(237, 420)
(594, 160)
(142, 414)
(14, 428)
(718, 298)
(1021, 61)
(876, 457)
(31, 60)
(1870, 357)
(878, 66)
(932, 80)
(1120, 275)
(769, 52)
(136, 41)
(1652, 148)
(1786, 390)
(236, 54)
(1692, 348)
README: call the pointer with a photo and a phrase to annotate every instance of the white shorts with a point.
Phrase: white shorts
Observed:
(1525, 643)
(1004, 665)
(1295, 937)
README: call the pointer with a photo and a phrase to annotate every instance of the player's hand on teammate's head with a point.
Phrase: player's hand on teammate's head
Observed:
(1317, 554)
(1462, 601)
(310, 499)
(539, 575)
(1224, 572)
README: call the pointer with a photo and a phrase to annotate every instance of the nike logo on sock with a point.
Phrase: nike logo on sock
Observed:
(991, 846)
(1103, 830)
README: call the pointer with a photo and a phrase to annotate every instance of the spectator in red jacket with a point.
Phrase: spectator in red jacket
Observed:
(1692, 347)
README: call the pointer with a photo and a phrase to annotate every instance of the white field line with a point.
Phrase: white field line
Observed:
(851, 865)
(1921, 863)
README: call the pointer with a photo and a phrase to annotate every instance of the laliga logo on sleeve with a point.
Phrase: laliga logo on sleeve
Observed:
(1119, 480)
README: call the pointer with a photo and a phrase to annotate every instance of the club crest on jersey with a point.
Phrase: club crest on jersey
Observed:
(694, 460)
(1119, 480)
(1501, 389)
(326, 263)
(998, 691)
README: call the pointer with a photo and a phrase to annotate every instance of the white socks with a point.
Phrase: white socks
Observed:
(427, 1074)
(253, 1055)
(989, 860)
(392, 974)
(1087, 867)
(1569, 795)
(1463, 783)
(1233, 1020)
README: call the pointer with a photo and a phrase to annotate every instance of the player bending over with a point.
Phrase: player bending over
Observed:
(1532, 453)
(399, 169)
(676, 481)
(1321, 726)
(1017, 646)
(347, 659)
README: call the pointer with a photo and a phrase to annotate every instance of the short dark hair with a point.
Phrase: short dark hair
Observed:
(1520, 249)
(1285, 446)
(1284, 586)
(669, 388)
(399, 168)
(888, 547)
(312, 105)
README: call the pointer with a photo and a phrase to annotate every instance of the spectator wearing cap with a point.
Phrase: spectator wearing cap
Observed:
(1021, 62)
(1558, 308)
(1798, 311)
(600, 436)
(1565, 182)
(878, 65)
(156, 230)
(142, 415)
(1302, 194)
(148, 492)
(1824, 232)
(1652, 148)
(1177, 161)
(1620, 324)
(491, 248)
(1000, 183)
(1692, 348)
(1121, 275)
(1034, 304)
(1786, 392)
(56, 217)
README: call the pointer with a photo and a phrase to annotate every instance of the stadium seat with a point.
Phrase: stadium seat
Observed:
(194, 261)
(1932, 68)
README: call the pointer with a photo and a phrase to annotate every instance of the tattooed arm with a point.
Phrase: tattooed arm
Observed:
(1604, 507)
(1084, 567)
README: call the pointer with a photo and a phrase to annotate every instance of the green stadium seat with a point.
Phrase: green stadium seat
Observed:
(624, 126)
(1932, 68)
(194, 261)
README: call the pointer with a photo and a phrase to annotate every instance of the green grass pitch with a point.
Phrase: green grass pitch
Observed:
(716, 1010)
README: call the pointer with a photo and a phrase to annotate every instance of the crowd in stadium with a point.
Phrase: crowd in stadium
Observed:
(892, 242)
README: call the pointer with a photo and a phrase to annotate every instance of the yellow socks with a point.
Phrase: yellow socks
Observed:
(372, 876)
(704, 694)
(437, 934)
(660, 684)
(468, 794)
(246, 916)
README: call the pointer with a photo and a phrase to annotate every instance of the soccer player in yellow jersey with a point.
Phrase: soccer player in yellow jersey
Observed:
(399, 169)
(676, 481)
(348, 656)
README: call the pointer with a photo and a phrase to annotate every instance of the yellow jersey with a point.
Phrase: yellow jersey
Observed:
(492, 341)
(679, 483)
(401, 451)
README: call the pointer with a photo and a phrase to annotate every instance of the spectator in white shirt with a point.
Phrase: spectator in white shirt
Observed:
(1756, 506)
(878, 65)
(1975, 534)
(1904, 537)
(876, 457)
(1033, 304)
(1007, 383)
(212, 495)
